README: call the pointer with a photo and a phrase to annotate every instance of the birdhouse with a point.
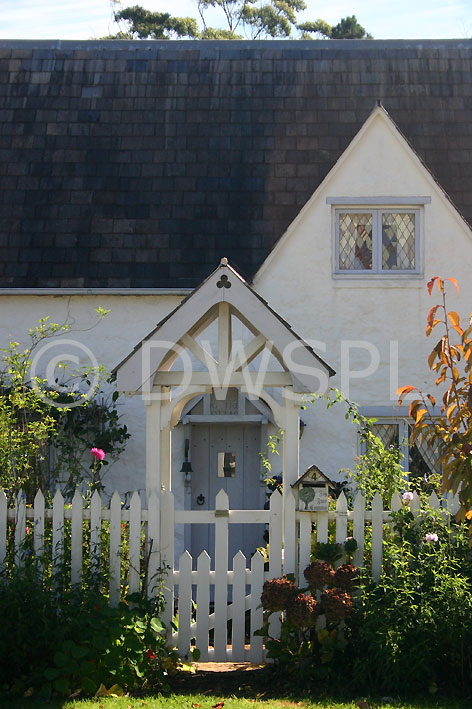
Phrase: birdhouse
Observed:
(312, 490)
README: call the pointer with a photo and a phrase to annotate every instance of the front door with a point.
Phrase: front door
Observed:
(226, 456)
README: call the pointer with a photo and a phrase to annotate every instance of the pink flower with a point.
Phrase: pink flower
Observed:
(98, 453)
(28, 530)
(431, 537)
(407, 497)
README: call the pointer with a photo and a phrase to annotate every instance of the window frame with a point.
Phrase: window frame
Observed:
(377, 211)
(403, 423)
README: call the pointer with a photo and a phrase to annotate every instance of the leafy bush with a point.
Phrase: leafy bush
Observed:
(413, 629)
(48, 425)
(57, 641)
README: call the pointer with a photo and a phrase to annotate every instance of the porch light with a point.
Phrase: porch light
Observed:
(186, 465)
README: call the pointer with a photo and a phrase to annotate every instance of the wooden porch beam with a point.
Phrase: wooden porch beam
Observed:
(224, 335)
(196, 349)
(250, 352)
(237, 379)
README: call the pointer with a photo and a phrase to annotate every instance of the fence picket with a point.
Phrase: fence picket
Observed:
(185, 603)
(434, 501)
(290, 541)
(322, 527)
(167, 552)
(415, 504)
(221, 575)
(358, 531)
(57, 531)
(39, 529)
(239, 598)
(134, 572)
(20, 528)
(341, 524)
(396, 503)
(95, 531)
(452, 504)
(203, 604)
(115, 548)
(275, 552)
(304, 550)
(76, 542)
(377, 535)
(275, 535)
(257, 581)
(3, 529)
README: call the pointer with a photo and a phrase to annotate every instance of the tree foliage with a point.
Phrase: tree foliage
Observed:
(243, 19)
(347, 28)
(451, 361)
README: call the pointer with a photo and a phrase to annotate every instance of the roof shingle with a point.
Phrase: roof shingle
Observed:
(139, 164)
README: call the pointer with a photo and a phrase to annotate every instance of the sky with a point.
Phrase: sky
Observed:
(385, 19)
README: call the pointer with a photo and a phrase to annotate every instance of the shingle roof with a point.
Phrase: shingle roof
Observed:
(139, 164)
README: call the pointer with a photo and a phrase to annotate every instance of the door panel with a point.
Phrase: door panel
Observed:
(244, 489)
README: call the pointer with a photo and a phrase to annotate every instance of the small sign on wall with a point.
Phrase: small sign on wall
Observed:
(313, 498)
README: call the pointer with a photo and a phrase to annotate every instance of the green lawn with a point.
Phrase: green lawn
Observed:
(206, 701)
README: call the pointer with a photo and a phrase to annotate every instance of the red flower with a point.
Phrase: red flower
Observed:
(98, 454)
(150, 654)
(96, 606)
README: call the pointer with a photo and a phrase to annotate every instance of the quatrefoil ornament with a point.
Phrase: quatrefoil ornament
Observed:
(224, 282)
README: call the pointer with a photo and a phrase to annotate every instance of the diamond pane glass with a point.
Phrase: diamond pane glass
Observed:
(355, 242)
(388, 433)
(423, 458)
(398, 242)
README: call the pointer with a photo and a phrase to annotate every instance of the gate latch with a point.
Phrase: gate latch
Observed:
(221, 513)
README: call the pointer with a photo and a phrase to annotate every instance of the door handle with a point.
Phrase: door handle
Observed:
(201, 499)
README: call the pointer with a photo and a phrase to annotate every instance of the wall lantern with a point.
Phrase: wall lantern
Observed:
(186, 465)
(312, 490)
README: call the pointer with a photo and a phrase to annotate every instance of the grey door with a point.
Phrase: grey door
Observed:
(244, 488)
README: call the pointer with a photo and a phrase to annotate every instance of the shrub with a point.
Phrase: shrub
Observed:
(415, 623)
(67, 641)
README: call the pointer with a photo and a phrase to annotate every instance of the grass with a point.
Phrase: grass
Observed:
(206, 701)
(230, 690)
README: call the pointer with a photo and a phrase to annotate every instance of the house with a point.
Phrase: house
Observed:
(334, 178)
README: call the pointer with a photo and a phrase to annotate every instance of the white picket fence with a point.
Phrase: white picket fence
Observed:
(211, 616)
(358, 519)
(204, 624)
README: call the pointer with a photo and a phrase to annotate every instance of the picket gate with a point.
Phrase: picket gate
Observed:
(220, 628)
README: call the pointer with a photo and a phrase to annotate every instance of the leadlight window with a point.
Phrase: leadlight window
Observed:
(377, 241)
(419, 458)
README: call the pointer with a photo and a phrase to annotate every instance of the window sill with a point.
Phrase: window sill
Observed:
(374, 280)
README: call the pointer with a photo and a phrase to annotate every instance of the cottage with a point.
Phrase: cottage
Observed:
(332, 177)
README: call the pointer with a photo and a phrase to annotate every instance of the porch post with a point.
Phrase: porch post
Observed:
(166, 458)
(290, 475)
(153, 446)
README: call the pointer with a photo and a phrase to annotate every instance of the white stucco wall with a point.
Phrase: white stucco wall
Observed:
(129, 320)
(379, 310)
